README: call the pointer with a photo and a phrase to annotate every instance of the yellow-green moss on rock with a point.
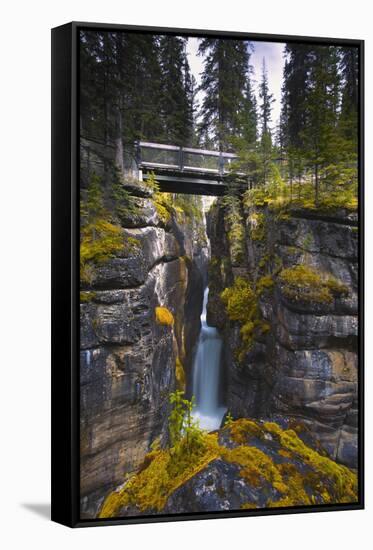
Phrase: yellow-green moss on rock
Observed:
(179, 374)
(306, 284)
(164, 316)
(284, 468)
(241, 304)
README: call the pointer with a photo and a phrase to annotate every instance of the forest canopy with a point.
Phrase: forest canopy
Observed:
(141, 87)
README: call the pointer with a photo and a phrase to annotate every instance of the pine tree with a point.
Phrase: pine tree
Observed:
(267, 99)
(293, 119)
(265, 110)
(349, 106)
(322, 111)
(224, 79)
(249, 116)
(177, 91)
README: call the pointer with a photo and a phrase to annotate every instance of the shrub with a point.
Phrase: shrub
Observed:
(236, 229)
(241, 304)
(257, 226)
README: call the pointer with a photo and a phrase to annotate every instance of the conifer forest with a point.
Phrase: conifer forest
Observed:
(219, 274)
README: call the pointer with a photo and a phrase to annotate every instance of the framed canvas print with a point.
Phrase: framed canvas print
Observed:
(207, 315)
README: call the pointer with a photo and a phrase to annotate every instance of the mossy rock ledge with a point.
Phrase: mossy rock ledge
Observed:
(247, 465)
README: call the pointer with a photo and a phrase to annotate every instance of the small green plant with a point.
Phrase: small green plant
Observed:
(228, 420)
(257, 226)
(236, 230)
(308, 241)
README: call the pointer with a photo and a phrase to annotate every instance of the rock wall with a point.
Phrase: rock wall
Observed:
(305, 367)
(127, 357)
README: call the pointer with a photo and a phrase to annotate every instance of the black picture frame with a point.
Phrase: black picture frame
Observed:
(65, 275)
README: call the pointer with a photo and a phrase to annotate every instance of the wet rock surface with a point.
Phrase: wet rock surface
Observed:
(246, 465)
(127, 359)
(307, 364)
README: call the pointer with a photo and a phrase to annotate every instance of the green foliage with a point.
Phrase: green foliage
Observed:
(308, 240)
(240, 300)
(180, 374)
(228, 109)
(303, 283)
(302, 476)
(228, 419)
(101, 237)
(187, 439)
(236, 230)
(87, 297)
(162, 201)
(341, 195)
(241, 304)
(264, 284)
(257, 226)
(124, 203)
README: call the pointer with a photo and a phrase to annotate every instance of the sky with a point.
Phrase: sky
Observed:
(273, 53)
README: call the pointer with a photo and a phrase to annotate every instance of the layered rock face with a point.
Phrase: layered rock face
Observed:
(245, 465)
(306, 365)
(128, 356)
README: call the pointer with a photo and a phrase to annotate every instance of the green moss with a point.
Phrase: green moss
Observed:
(244, 429)
(240, 300)
(343, 195)
(101, 237)
(249, 506)
(86, 297)
(180, 374)
(256, 466)
(164, 470)
(133, 244)
(305, 284)
(164, 316)
(235, 228)
(257, 226)
(264, 284)
(100, 241)
(325, 482)
(241, 304)
(336, 479)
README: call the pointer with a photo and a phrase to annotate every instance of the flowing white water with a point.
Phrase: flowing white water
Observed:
(206, 375)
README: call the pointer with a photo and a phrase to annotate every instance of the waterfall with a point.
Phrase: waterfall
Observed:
(206, 375)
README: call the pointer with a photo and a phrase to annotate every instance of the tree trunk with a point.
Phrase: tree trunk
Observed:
(119, 159)
(316, 184)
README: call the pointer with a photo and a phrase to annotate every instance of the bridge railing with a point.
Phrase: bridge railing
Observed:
(171, 157)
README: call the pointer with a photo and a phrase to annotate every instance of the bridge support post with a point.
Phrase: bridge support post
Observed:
(221, 164)
(181, 159)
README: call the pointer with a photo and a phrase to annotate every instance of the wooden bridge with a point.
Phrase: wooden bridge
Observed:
(184, 169)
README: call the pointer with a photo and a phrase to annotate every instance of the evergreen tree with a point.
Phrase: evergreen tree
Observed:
(249, 116)
(177, 91)
(265, 110)
(293, 119)
(349, 107)
(322, 111)
(226, 65)
(267, 99)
